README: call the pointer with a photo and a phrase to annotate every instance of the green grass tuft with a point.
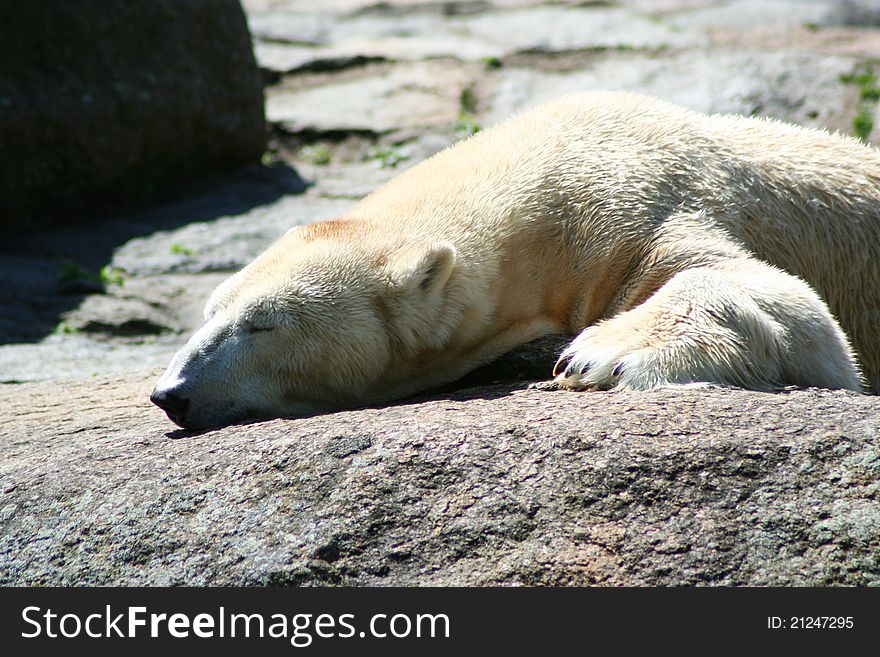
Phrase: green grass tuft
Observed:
(865, 77)
(73, 274)
(388, 156)
(316, 154)
(465, 125)
(864, 121)
(180, 249)
(112, 275)
(64, 328)
(467, 101)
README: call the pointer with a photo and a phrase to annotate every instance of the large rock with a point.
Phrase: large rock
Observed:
(109, 102)
(491, 485)
(406, 97)
(799, 87)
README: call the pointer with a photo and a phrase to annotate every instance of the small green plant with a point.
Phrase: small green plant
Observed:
(863, 123)
(180, 249)
(863, 75)
(112, 275)
(465, 126)
(812, 27)
(64, 328)
(467, 101)
(388, 156)
(317, 154)
(492, 62)
(866, 78)
(73, 275)
(870, 93)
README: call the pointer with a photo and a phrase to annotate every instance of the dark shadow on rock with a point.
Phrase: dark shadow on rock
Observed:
(33, 291)
(530, 362)
(182, 434)
(465, 392)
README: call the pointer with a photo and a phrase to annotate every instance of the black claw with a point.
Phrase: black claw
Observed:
(586, 367)
(618, 369)
(562, 364)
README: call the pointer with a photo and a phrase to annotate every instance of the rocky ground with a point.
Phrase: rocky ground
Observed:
(496, 484)
(490, 485)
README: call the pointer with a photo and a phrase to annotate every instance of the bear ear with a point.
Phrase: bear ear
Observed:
(424, 267)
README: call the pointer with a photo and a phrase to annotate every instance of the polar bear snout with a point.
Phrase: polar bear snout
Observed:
(195, 390)
(174, 404)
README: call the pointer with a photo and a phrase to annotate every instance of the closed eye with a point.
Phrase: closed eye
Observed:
(256, 328)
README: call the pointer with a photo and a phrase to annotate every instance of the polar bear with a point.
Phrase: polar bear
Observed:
(678, 247)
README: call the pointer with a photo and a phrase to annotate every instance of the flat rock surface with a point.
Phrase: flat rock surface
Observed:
(724, 81)
(487, 482)
(489, 485)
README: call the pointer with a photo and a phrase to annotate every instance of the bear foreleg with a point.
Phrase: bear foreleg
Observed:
(738, 322)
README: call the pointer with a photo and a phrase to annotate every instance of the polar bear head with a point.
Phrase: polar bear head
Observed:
(325, 318)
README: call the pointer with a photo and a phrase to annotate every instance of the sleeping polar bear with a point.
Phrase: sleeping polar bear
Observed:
(683, 248)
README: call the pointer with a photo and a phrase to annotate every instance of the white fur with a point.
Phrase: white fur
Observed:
(682, 248)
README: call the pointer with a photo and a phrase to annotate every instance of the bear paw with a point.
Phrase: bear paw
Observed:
(594, 361)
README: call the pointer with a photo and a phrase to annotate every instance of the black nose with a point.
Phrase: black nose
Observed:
(174, 405)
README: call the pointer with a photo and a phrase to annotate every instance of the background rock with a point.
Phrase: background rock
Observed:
(103, 103)
(860, 13)
(409, 96)
(803, 87)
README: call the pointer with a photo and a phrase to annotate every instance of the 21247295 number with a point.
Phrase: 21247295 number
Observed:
(810, 623)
